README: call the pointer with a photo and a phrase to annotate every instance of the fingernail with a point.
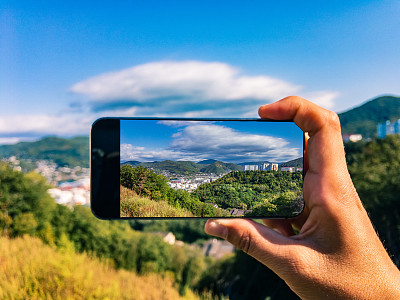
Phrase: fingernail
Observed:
(216, 229)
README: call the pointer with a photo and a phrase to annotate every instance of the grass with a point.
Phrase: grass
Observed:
(132, 205)
(30, 269)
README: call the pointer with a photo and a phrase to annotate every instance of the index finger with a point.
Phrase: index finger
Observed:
(308, 116)
(325, 146)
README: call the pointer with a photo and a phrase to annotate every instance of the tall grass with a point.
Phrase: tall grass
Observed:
(30, 269)
(133, 205)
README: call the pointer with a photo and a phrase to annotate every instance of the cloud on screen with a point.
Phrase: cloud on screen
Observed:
(198, 142)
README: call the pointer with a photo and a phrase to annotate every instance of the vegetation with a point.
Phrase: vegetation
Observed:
(64, 152)
(365, 118)
(297, 163)
(188, 167)
(83, 257)
(146, 183)
(32, 270)
(175, 167)
(188, 231)
(375, 170)
(133, 205)
(267, 193)
(26, 208)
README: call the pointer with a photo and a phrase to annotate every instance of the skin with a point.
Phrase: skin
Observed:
(337, 253)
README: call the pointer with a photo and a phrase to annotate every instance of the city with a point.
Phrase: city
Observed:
(71, 186)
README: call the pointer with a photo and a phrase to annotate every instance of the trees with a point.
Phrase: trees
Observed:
(269, 192)
(26, 205)
(375, 170)
(144, 182)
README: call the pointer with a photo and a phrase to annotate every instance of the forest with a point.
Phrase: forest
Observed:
(257, 193)
(27, 209)
(261, 193)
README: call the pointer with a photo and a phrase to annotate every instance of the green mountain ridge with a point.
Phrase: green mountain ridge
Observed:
(74, 151)
(187, 167)
(364, 119)
(63, 151)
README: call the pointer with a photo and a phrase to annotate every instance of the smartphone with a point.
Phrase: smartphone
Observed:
(196, 168)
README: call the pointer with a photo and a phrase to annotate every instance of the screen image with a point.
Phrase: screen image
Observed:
(175, 169)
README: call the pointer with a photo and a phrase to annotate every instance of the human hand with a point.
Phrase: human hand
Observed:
(337, 252)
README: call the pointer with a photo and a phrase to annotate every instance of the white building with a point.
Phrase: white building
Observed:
(288, 169)
(352, 137)
(388, 128)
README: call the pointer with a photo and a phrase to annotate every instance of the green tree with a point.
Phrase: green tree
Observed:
(23, 194)
(375, 170)
(24, 223)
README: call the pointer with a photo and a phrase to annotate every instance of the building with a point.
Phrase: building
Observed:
(218, 249)
(387, 128)
(352, 137)
(261, 167)
(288, 169)
(251, 167)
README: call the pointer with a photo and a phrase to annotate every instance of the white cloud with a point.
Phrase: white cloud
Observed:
(322, 98)
(198, 142)
(167, 88)
(66, 125)
(190, 79)
(189, 88)
(136, 153)
(15, 140)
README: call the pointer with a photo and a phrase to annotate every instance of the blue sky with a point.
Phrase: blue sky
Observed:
(65, 64)
(227, 141)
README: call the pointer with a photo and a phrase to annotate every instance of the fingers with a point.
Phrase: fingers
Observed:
(325, 162)
(283, 226)
(325, 147)
(263, 243)
(307, 115)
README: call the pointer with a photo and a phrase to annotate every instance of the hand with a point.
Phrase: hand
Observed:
(336, 252)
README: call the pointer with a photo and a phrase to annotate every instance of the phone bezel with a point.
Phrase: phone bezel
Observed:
(105, 165)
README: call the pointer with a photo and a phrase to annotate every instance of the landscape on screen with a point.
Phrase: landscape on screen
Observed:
(210, 169)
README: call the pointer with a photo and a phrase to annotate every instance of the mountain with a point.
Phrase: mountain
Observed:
(298, 163)
(365, 118)
(176, 167)
(254, 163)
(206, 162)
(131, 162)
(188, 167)
(64, 152)
(219, 167)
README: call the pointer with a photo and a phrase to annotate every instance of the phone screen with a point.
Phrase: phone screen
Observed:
(202, 168)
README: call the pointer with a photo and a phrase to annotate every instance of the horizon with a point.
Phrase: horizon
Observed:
(199, 162)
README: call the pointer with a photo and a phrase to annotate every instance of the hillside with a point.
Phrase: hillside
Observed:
(298, 163)
(64, 152)
(132, 205)
(188, 167)
(32, 270)
(206, 162)
(219, 167)
(176, 167)
(364, 118)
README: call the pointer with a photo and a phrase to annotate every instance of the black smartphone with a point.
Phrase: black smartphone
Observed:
(190, 168)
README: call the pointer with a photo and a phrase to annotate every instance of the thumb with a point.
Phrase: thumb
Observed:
(264, 244)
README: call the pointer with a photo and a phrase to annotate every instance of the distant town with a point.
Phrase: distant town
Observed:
(71, 186)
(192, 182)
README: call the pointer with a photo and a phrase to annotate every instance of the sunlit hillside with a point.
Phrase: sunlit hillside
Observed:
(30, 269)
(133, 205)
